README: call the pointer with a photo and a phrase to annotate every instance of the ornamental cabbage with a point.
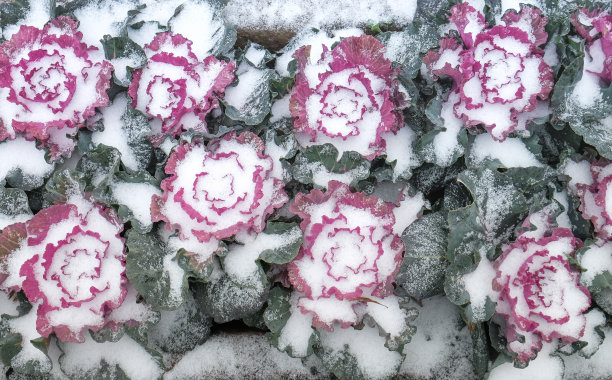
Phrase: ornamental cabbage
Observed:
(70, 259)
(217, 191)
(175, 89)
(596, 27)
(540, 298)
(50, 83)
(350, 252)
(499, 72)
(349, 97)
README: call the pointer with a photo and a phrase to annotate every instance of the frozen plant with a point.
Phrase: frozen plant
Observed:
(216, 191)
(595, 26)
(499, 73)
(348, 97)
(350, 253)
(175, 89)
(70, 259)
(539, 295)
(50, 83)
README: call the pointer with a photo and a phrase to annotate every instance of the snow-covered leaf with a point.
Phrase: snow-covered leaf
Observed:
(319, 164)
(153, 269)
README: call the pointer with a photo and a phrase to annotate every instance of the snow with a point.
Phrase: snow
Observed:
(446, 144)
(316, 40)
(441, 347)
(117, 132)
(232, 356)
(596, 260)
(547, 366)
(374, 360)
(299, 15)
(280, 109)
(399, 149)
(8, 305)
(38, 15)
(85, 358)
(297, 331)
(26, 326)
(408, 211)
(579, 173)
(136, 197)
(240, 262)
(198, 22)
(35, 169)
(598, 366)
(479, 284)
(511, 153)
(99, 18)
(249, 80)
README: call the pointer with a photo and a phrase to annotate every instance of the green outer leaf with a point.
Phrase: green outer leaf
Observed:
(123, 47)
(98, 166)
(226, 299)
(278, 311)
(63, 183)
(327, 155)
(258, 103)
(423, 267)
(276, 315)
(287, 252)
(417, 39)
(480, 348)
(341, 363)
(476, 230)
(10, 346)
(105, 194)
(145, 270)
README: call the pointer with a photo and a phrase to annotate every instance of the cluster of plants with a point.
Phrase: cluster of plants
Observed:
(160, 180)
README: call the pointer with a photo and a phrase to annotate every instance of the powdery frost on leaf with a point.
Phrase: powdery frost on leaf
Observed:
(348, 98)
(499, 72)
(175, 89)
(217, 191)
(350, 251)
(50, 83)
(71, 258)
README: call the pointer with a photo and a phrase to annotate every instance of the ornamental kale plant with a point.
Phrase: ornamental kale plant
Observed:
(233, 189)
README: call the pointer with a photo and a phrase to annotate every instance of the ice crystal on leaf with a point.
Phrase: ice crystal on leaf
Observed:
(498, 72)
(596, 27)
(349, 97)
(539, 295)
(175, 89)
(71, 258)
(50, 83)
(217, 191)
(350, 252)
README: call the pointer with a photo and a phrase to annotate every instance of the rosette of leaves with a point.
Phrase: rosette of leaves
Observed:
(238, 286)
(248, 100)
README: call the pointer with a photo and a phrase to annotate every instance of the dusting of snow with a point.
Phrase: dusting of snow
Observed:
(299, 15)
(229, 356)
